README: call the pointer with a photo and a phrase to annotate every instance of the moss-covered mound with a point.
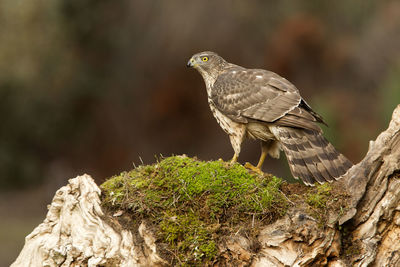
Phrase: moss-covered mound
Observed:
(191, 204)
(190, 201)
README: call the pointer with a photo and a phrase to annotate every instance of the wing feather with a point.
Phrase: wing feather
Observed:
(255, 94)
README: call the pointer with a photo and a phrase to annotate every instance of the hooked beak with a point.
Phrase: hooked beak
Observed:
(191, 63)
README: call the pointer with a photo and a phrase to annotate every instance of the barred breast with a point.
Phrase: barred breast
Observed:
(228, 125)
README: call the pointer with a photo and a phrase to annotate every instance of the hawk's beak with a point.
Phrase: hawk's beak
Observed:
(191, 63)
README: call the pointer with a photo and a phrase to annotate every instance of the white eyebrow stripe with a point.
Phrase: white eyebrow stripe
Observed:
(259, 76)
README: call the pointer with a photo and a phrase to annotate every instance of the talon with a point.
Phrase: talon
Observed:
(253, 168)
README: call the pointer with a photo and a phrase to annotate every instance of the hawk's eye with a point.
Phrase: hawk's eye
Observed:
(204, 59)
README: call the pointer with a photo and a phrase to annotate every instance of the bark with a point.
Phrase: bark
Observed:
(76, 232)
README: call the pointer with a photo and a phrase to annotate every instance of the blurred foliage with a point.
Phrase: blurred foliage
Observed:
(390, 94)
(90, 85)
(45, 90)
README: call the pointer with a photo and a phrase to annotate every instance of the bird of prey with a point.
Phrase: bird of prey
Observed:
(259, 104)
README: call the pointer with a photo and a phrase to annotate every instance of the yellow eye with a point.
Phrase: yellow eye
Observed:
(204, 59)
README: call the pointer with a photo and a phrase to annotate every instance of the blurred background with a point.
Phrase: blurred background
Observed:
(95, 86)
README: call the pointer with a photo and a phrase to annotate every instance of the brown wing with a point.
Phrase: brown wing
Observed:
(300, 118)
(253, 94)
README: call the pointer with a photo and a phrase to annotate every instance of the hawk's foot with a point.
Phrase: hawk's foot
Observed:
(253, 168)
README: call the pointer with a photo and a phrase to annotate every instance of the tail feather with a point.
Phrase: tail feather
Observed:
(323, 169)
(341, 163)
(327, 154)
(314, 170)
(311, 157)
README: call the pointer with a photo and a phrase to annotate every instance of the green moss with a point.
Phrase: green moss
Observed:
(190, 200)
(319, 196)
(187, 232)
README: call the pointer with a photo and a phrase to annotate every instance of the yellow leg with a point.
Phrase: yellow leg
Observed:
(262, 158)
(234, 159)
(264, 152)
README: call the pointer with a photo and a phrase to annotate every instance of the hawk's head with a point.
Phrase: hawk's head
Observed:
(209, 64)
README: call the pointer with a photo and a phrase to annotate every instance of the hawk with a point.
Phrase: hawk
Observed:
(259, 104)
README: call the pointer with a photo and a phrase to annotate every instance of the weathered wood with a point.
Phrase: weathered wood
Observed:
(375, 189)
(76, 232)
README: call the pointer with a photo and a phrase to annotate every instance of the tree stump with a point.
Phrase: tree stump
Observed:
(77, 232)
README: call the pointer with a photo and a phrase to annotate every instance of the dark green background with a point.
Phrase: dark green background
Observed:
(94, 86)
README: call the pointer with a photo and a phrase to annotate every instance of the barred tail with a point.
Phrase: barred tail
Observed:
(311, 157)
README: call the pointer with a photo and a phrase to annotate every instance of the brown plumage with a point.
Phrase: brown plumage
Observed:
(260, 104)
